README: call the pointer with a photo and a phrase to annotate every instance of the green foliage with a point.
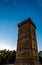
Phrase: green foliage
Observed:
(7, 57)
(40, 57)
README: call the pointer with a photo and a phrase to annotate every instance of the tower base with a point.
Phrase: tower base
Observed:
(26, 62)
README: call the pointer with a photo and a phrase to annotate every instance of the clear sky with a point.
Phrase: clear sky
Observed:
(13, 12)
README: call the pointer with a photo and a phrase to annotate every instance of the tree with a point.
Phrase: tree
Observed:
(40, 57)
(7, 57)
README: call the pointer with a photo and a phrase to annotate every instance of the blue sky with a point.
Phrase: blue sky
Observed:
(13, 12)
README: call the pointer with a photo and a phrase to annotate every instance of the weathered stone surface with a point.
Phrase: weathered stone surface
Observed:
(27, 52)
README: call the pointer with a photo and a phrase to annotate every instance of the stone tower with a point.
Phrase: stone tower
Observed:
(27, 52)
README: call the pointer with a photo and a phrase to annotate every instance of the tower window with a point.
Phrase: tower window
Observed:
(24, 31)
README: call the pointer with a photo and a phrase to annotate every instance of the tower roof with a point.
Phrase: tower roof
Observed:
(26, 21)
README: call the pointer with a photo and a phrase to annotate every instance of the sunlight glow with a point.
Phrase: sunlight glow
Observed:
(5, 45)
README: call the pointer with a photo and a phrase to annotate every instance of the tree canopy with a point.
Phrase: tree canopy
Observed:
(7, 57)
